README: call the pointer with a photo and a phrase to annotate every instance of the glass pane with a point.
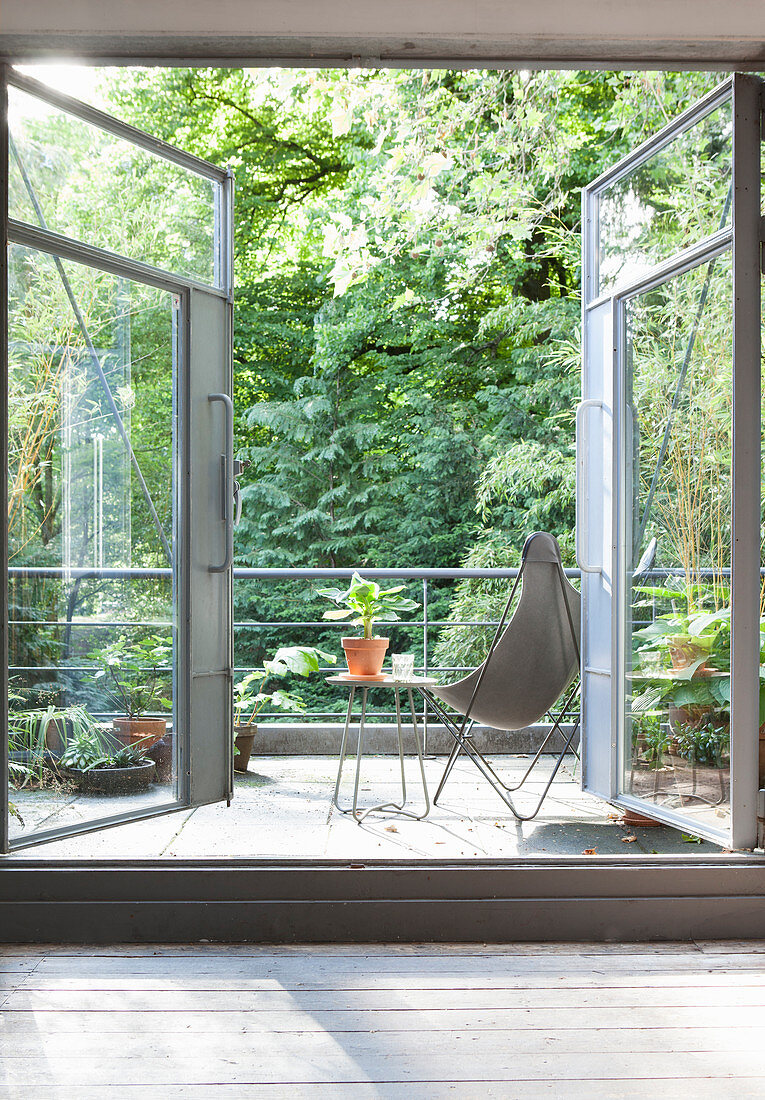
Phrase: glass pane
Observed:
(83, 182)
(679, 365)
(91, 605)
(677, 197)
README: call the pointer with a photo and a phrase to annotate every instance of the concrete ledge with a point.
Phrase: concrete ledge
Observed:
(323, 739)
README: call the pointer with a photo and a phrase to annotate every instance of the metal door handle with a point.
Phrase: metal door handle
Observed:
(581, 482)
(227, 481)
(239, 465)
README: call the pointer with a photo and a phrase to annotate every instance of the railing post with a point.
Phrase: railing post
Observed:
(424, 661)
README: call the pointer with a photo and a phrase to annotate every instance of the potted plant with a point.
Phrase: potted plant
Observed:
(250, 698)
(97, 765)
(682, 661)
(135, 674)
(37, 736)
(369, 604)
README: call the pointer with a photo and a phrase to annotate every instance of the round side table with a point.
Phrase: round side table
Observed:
(364, 686)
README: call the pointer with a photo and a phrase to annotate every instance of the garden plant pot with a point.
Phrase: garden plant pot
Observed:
(148, 731)
(244, 737)
(365, 656)
(685, 653)
(111, 780)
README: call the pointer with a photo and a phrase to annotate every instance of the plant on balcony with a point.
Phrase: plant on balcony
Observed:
(96, 763)
(37, 736)
(135, 675)
(368, 604)
(683, 657)
(250, 698)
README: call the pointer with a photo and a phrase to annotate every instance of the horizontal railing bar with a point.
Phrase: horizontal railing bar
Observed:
(246, 625)
(403, 573)
(273, 574)
(300, 573)
(55, 571)
(395, 625)
(88, 622)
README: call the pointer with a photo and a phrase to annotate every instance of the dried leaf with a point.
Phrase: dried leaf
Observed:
(391, 829)
(590, 852)
(629, 839)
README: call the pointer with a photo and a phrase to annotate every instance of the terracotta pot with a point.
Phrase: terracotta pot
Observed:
(687, 653)
(146, 730)
(244, 736)
(365, 656)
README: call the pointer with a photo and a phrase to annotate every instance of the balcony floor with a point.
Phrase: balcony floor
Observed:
(282, 808)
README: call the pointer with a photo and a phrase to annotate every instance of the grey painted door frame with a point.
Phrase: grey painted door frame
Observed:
(585, 898)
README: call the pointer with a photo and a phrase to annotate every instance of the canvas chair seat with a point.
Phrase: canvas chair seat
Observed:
(532, 662)
(536, 657)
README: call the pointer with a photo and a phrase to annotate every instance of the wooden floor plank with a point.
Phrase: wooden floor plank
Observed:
(393, 983)
(381, 966)
(547, 996)
(343, 1066)
(414, 1044)
(25, 1022)
(710, 1089)
(362, 950)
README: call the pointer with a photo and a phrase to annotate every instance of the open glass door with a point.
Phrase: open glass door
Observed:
(117, 371)
(670, 427)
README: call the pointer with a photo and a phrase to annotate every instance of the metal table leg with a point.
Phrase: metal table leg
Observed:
(395, 807)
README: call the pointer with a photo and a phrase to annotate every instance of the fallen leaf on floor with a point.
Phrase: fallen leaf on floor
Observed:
(629, 839)
(391, 829)
(590, 852)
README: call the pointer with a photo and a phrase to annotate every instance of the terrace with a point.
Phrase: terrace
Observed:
(282, 804)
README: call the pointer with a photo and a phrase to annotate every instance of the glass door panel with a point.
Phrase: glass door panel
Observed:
(117, 337)
(672, 360)
(91, 544)
(673, 192)
(677, 438)
(88, 179)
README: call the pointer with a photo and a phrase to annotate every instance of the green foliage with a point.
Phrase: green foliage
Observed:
(406, 325)
(94, 749)
(368, 602)
(298, 660)
(135, 673)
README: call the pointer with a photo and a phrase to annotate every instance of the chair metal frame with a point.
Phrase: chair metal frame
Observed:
(461, 732)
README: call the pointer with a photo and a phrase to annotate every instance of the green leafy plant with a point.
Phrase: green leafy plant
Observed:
(650, 739)
(706, 741)
(135, 673)
(92, 750)
(249, 697)
(28, 738)
(367, 602)
(683, 657)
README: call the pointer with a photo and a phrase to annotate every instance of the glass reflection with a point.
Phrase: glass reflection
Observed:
(676, 752)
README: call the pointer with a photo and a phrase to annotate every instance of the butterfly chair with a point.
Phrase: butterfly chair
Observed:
(531, 663)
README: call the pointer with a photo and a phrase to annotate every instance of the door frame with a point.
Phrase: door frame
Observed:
(668, 898)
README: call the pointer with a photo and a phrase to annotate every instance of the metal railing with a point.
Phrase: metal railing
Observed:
(425, 625)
